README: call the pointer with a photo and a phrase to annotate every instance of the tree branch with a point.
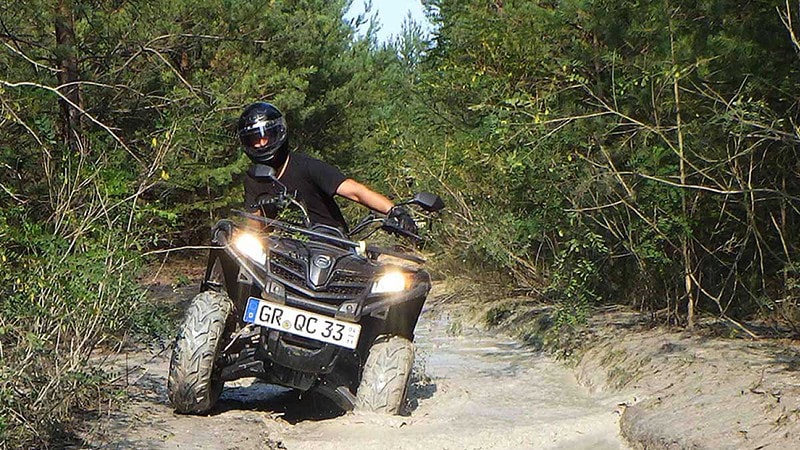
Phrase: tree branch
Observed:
(89, 116)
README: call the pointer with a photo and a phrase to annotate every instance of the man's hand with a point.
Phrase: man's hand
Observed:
(223, 228)
(403, 220)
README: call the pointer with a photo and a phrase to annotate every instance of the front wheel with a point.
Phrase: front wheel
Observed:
(384, 382)
(192, 386)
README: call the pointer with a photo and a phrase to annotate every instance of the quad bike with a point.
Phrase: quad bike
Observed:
(305, 307)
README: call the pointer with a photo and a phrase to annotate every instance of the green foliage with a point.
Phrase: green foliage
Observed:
(554, 129)
(60, 297)
(575, 278)
(152, 320)
(498, 313)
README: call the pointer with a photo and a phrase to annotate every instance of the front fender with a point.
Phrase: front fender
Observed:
(386, 301)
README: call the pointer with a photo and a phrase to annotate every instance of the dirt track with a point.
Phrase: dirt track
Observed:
(471, 391)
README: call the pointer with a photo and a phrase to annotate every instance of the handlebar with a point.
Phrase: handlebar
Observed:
(427, 201)
(391, 226)
(281, 201)
(294, 229)
(223, 230)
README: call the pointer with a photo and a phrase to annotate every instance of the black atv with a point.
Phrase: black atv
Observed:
(303, 306)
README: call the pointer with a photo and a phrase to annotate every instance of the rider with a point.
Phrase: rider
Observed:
(262, 132)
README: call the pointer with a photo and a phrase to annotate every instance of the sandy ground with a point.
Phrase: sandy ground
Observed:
(472, 390)
(696, 390)
(714, 388)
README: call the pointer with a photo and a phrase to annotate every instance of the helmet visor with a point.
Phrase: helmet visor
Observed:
(264, 134)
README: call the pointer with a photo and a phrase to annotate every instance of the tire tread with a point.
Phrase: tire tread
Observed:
(386, 374)
(190, 386)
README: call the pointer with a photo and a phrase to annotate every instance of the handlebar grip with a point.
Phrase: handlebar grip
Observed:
(271, 200)
(222, 231)
(392, 228)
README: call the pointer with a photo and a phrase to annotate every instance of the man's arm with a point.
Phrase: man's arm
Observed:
(357, 192)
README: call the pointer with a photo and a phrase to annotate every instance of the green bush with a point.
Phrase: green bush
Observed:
(60, 299)
(661, 133)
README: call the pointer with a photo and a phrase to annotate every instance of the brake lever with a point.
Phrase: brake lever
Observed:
(391, 228)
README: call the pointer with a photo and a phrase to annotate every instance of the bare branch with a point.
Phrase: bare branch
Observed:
(596, 208)
(26, 58)
(786, 18)
(64, 98)
(174, 70)
(12, 195)
(710, 189)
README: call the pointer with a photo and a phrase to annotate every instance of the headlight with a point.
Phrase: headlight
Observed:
(389, 282)
(250, 246)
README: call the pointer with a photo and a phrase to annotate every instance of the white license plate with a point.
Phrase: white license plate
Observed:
(302, 323)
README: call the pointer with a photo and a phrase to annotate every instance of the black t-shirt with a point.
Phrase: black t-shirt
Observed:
(313, 182)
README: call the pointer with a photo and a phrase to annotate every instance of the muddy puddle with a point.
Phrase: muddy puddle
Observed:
(471, 391)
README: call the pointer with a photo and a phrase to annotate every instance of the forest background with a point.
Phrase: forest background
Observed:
(591, 152)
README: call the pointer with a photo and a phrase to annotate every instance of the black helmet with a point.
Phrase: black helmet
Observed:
(262, 132)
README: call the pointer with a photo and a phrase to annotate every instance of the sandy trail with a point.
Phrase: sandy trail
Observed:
(471, 391)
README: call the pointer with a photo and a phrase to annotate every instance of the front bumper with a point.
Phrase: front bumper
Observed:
(351, 310)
